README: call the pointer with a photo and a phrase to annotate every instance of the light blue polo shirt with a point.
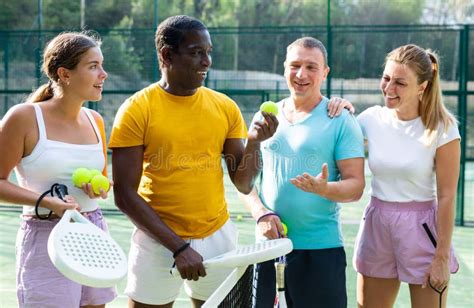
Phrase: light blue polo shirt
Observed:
(313, 221)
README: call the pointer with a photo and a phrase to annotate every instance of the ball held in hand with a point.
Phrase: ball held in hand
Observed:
(94, 172)
(269, 107)
(100, 182)
(285, 228)
(81, 176)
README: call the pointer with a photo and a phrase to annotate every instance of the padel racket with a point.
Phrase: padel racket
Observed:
(280, 265)
(249, 254)
(84, 253)
(280, 299)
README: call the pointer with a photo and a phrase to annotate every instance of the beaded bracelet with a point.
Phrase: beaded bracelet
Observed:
(180, 250)
(267, 214)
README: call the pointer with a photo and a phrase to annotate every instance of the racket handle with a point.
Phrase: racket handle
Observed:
(280, 275)
(75, 216)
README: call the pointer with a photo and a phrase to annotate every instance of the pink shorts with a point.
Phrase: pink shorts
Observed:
(39, 283)
(392, 242)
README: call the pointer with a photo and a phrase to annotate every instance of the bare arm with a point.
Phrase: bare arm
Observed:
(243, 162)
(15, 131)
(348, 189)
(127, 167)
(268, 225)
(447, 162)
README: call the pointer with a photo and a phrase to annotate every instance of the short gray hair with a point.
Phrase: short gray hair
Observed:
(310, 42)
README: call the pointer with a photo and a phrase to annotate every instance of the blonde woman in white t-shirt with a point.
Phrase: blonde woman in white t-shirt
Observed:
(44, 140)
(414, 156)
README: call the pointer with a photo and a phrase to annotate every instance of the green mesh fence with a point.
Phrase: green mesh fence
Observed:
(248, 66)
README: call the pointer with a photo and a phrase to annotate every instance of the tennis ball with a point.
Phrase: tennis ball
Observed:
(285, 229)
(239, 217)
(269, 107)
(94, 172)
(81, 176)
(98, 182)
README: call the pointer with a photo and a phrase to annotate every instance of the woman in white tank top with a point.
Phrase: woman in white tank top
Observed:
(44, 140)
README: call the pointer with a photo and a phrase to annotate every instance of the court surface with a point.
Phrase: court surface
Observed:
(460, 292)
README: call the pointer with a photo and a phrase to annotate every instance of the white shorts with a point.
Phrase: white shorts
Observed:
(149, 263)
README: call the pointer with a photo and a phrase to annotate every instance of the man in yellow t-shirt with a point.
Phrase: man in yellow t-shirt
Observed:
(168, 141)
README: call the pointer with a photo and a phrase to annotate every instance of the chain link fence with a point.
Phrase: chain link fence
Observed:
(248, 66)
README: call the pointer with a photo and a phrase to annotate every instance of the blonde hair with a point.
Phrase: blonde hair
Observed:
(65, 50)
(425, 65)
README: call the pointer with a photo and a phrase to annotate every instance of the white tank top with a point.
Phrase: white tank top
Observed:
(54, 162)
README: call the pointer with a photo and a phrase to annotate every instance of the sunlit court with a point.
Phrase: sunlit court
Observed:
(338, 136)
(121, 228)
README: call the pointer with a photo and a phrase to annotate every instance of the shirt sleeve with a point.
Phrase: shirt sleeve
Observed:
(129, 125)
(238, 128)
(366, 116)
(350, 141)
(445, 136)
(361, 119)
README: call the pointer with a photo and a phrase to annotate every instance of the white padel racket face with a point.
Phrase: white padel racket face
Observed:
(86, 254)
(251, 254)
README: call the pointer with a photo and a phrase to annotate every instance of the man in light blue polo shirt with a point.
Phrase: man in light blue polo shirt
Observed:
(310, 164)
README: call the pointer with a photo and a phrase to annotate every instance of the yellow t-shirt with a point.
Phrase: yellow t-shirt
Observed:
(183, 139)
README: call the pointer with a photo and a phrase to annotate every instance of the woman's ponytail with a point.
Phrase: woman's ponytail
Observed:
(43, 93)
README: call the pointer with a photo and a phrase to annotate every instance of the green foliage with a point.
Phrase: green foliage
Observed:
(61, 14)
(258, 45)
(395, 12)
(19, 14)
(119, 52)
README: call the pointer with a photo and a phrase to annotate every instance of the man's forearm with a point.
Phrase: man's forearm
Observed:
(253, 203)
(347, 190)
(147, 220)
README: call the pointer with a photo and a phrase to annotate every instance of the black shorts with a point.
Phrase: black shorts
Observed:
(313, 278)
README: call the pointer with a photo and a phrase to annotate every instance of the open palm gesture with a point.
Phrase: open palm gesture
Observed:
(316, 184)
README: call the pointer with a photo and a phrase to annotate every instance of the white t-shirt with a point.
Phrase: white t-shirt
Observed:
(401, 163)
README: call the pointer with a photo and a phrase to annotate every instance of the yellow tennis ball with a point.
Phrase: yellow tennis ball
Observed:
(269, 107)
(285, 229)
(98, 182)
(239, 217)
(94, 172)
(81, 176)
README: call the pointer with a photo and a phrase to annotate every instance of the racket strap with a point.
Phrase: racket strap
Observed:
(59, 189)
